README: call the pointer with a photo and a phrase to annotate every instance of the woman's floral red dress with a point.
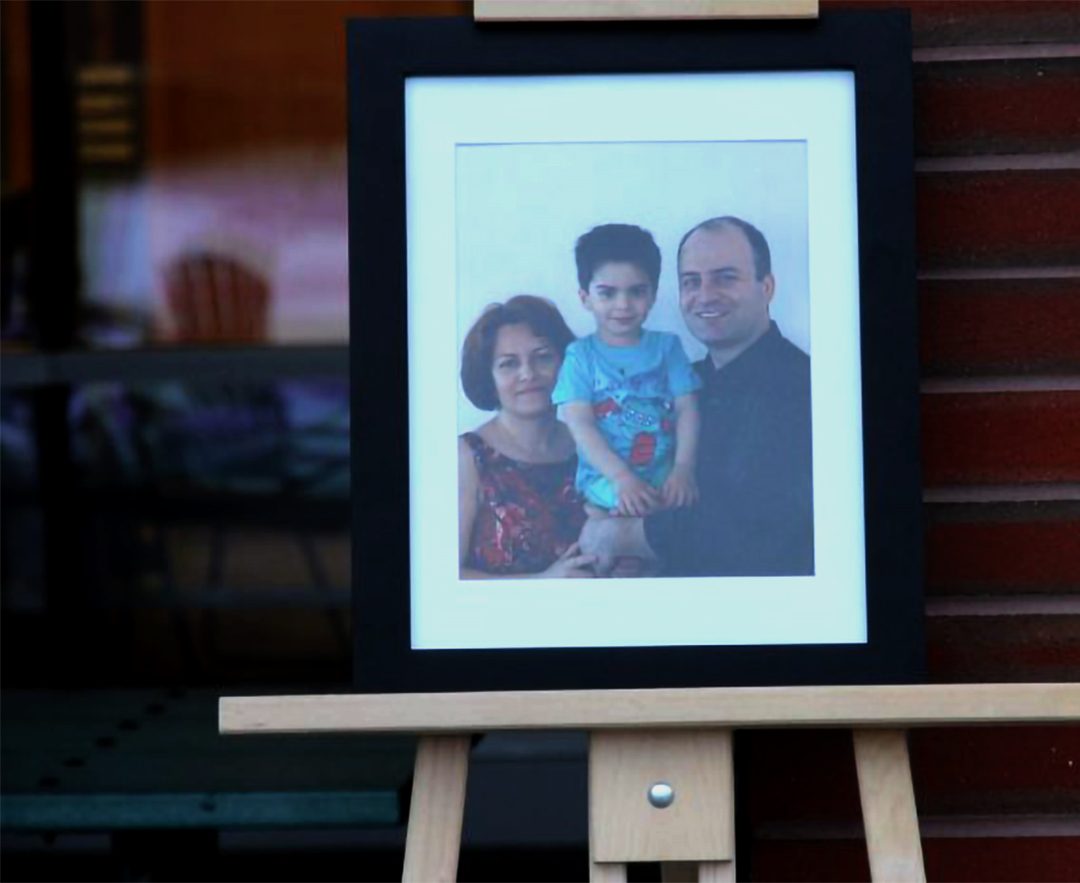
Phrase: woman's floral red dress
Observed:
(529, 512)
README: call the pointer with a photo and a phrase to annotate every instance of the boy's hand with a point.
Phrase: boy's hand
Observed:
(637, 498)
(681, 488)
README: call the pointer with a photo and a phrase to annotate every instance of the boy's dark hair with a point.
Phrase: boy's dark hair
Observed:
(622, 243)
(540, 316)
(758, 244)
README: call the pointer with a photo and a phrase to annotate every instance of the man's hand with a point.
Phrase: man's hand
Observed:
(571, 564)
(637, 498)
(681, 488)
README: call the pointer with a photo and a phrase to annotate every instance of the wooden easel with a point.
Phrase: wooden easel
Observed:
(639, 738)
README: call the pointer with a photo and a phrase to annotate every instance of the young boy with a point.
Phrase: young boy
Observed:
(627, 394)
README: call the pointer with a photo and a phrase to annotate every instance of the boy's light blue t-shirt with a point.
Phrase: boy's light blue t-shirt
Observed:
(632, 390)
(657, 367)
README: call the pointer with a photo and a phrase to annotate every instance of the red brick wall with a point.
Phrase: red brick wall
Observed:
(997, 107)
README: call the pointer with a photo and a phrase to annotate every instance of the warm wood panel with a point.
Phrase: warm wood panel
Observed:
(998, 438)
(998, 557)
(974, 649)
(980, 22)
(15, 36)
(985, 326)
(1011, 106)
(1000, 218)
(234, 75)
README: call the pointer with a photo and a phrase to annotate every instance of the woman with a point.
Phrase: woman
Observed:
(519, 515)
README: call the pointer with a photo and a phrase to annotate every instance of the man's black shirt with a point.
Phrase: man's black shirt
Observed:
(754, 471)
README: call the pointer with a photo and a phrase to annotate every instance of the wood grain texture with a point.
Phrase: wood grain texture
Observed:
(699, 824)
(997, 326)
(997, 107)
(903, 705)
(716, 872)
(611, 10)
(433, 841)
(888, 805)
(994, 219)
(1000, 438)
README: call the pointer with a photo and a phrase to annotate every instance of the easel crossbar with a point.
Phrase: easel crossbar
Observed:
(902, 706)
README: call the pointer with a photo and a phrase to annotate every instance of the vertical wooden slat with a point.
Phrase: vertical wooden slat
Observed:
(888, 805)
(606, 872)
(716, 872)
(433, 842)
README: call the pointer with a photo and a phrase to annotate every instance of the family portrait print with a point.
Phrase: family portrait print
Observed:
(633, 323)
(633, 353)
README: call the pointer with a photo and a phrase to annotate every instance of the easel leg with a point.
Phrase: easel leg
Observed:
(433, 840)
(606, 872)
(716, 872)
(888, 805)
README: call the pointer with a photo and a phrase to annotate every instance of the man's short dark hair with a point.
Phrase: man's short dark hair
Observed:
(619, 243)
(758, 245)
(541, 317)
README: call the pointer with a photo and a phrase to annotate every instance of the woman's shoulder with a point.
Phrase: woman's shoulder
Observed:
(480, 445)
(473, 443)
(482, 449)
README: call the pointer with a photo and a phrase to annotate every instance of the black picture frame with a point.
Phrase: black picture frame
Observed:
(382, 55)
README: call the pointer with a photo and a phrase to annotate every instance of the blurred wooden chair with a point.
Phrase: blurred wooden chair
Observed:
(241, 428)
(217, 298)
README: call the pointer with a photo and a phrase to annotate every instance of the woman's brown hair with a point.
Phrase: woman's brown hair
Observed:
(541, 317)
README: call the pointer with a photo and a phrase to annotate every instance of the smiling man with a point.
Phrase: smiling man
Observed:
(754, 473)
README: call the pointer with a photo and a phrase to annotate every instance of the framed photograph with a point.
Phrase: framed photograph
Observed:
(634, 362)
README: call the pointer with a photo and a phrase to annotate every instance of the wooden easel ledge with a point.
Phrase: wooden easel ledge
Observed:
(613, 10)
(877, 706)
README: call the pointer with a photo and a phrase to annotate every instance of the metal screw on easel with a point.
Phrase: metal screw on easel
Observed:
(661, 795)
